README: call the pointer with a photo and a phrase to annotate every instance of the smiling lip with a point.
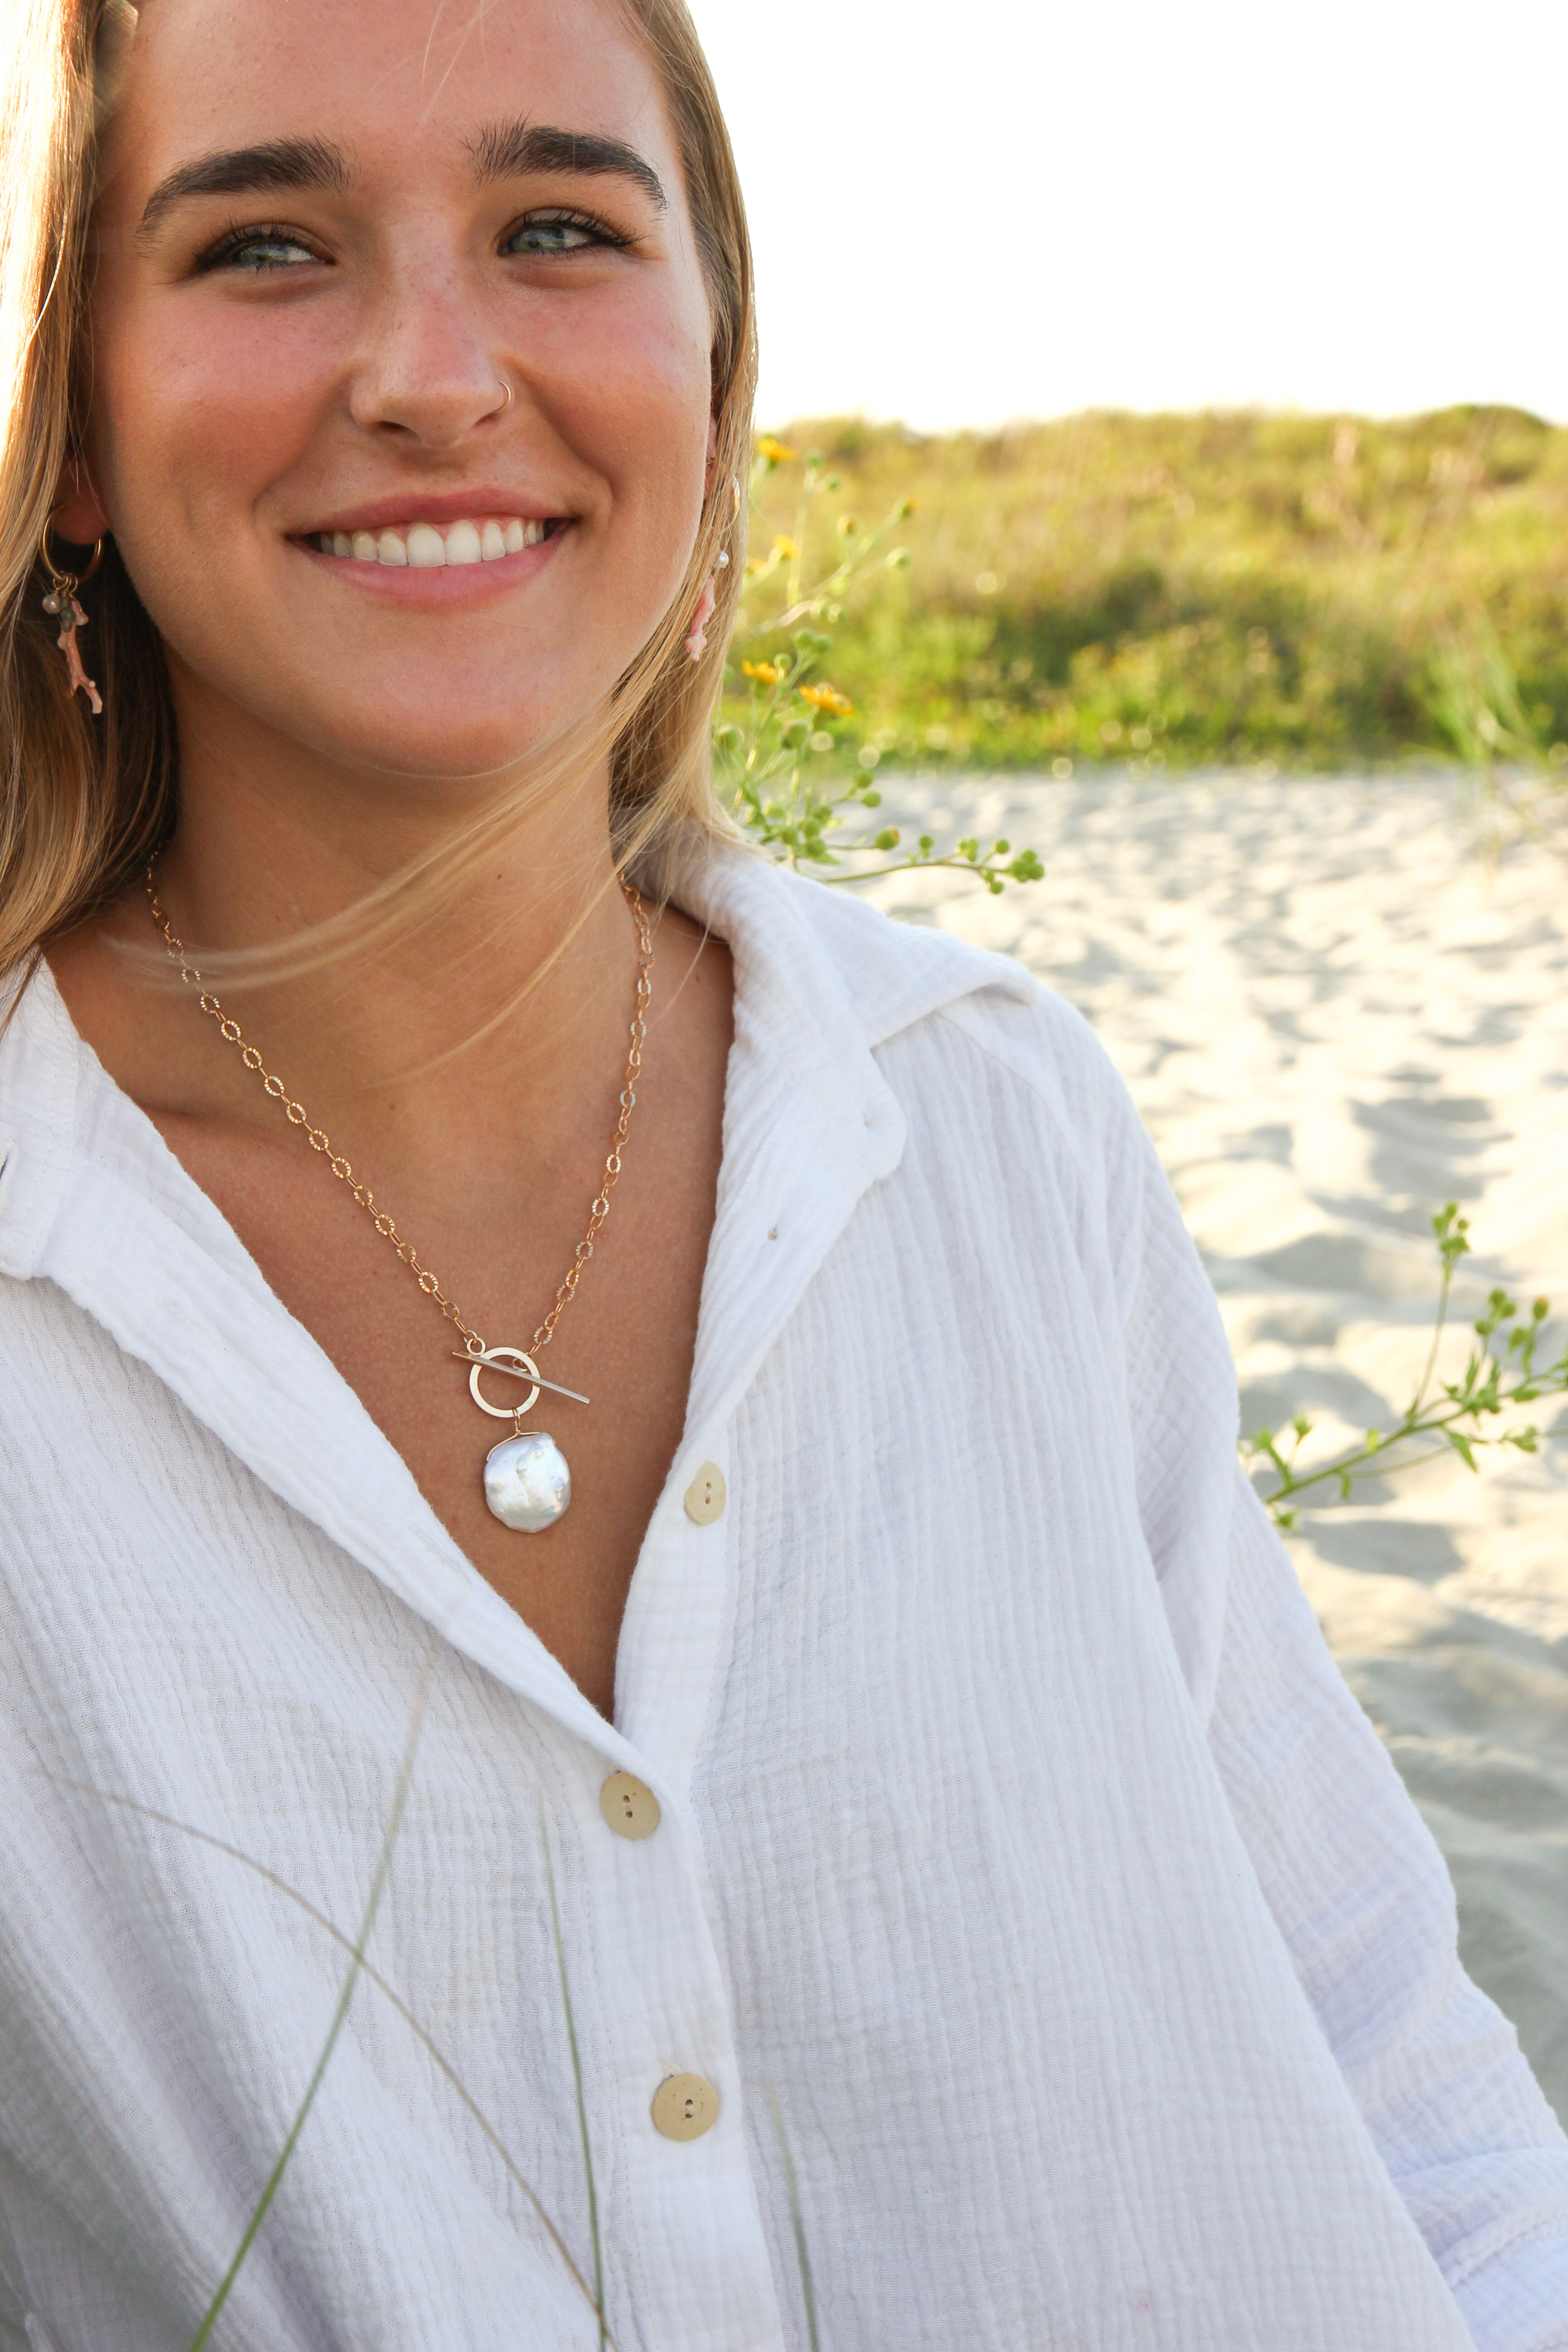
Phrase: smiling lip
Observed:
(423, 546)
(406, 507)
(419, 555)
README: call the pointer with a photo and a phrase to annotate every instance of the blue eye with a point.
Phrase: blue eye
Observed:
(257, 250)
(552, 232)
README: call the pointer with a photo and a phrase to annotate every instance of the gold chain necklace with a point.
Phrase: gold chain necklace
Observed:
(527, 1482)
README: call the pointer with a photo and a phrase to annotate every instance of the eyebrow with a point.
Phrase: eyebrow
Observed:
(245, 170)
(502, 152)
(508, 150)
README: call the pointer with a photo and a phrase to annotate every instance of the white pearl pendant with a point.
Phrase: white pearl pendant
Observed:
(526, 1483)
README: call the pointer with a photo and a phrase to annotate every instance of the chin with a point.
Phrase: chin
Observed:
(403, 736)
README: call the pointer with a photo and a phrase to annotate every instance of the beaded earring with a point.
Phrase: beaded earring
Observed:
(60, 602)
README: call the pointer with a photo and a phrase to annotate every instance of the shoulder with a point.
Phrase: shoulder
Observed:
(965, 1023)
(1044, 1044)
(904, 975)
(787, 930)
(39, 1070)
(987, 1061)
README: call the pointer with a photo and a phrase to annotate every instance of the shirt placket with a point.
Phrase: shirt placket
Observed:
(668, 2096)
(795, 1167)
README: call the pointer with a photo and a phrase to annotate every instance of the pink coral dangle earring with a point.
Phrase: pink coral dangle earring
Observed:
(697, 635)
(60, 602)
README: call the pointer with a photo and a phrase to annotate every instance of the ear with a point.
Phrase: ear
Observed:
(712, 442)
(80, 515)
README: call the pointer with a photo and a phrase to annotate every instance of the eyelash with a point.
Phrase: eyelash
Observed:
(557, 217)
(236, 240)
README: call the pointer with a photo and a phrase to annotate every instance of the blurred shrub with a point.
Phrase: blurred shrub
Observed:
(1170, 589)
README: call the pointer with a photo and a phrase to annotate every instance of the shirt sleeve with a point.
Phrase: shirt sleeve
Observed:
(1358, 1889)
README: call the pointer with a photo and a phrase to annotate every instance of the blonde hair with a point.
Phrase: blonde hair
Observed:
(85, 802)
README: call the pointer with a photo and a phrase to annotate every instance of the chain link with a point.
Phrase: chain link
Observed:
(297, 1116)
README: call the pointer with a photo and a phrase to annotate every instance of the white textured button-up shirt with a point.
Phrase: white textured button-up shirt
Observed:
(1026, 1881)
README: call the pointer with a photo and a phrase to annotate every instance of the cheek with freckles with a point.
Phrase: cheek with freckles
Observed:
(634, 402)
(185, 446)
(206, 452)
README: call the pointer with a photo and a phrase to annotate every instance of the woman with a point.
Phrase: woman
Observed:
(851, 1822)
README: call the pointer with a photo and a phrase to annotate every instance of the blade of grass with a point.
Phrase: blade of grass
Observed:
(797, 2221)
(371, 1975)
(340, 2015)
(582, 2102)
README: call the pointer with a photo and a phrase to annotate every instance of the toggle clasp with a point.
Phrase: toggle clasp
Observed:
(518, 1365)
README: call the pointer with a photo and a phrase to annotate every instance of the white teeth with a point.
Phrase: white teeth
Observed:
(426, 548)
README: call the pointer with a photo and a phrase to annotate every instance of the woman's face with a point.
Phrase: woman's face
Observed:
(332, 237)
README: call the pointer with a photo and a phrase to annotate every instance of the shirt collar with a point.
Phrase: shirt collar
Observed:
(810, 1123)
(821, 976)
(825, 978)
(91, 1198)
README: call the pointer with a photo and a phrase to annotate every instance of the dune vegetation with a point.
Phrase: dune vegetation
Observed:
(1243, 587)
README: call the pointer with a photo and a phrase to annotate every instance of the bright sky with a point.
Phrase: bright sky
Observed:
(994, 208)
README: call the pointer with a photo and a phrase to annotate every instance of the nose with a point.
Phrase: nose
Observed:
(427, 375)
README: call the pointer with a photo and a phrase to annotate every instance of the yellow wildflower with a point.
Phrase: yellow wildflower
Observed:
(785, 548)
(828, 698)
(773, 451)
(764, 673)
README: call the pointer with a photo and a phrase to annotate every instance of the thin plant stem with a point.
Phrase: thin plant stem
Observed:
(339, 2015)
(1364, 1462)
(797, 2222)
(797, 537)
(1437, 1329)
(900, 865)
(1499, 1375)
(581, 2101)
(790, 811)
(373, 1976)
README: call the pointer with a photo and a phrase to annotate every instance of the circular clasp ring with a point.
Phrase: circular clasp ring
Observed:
(524, 1364)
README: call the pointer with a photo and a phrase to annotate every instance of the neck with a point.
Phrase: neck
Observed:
(398, 1003)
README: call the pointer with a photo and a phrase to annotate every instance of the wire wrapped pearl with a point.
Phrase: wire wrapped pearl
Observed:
(526, 1483)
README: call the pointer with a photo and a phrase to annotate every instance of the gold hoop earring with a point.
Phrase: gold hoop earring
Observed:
(53, 569)
(60, 604)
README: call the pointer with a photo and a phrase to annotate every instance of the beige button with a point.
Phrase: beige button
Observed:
(629, 1806)
(706, 1495)
(685, 2107)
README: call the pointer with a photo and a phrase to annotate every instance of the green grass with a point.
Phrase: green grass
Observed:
(1186, 588)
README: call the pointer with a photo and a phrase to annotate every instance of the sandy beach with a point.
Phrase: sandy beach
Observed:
(1338, 1006)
